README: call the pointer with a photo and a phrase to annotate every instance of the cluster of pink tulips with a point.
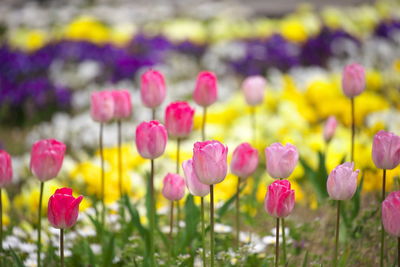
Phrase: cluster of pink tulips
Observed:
(208, 165)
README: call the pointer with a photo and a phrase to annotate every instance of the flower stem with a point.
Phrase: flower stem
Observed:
(153, 114)
(382, 229)
(119, 124)
(178, 147)
(353, 129)
(337, 234)
(253, 123)
(283, 241)
(62, 247)
(1, 221)
(103, 213)
(203, 239)
(171, 226)
(152, 213)
(398, 251)
(212, 224)
(203, 124)
(39, 241)
(277, 243)
(237, 213)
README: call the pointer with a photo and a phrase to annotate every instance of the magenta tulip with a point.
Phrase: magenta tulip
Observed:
(179, 119)
(173, 187)
(386, 150)
(206, 90)
(195, 187)
(102, 106)
(151, 139)
(353, 80)
(253, 88)
(342, 182)
(391, 213)
(122, 104)
(6, 171)
(210, 161)
(330, 128)
(279, 200)
(63, 208)
(281, 160)
(46, 158)
(152, 88)
(244, 160)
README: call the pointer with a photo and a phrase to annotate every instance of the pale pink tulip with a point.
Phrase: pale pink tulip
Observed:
(196, 188)
(386, 150)
(342, 182)
(281, 160)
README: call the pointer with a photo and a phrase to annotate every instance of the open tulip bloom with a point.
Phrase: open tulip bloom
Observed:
(6, 174)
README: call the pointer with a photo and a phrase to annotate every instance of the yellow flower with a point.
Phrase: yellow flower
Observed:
(293, 30)
(87, 28)
(185, 29)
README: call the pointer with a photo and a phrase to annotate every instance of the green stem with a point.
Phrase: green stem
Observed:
(178, 146)
(212, 224)
(237, 213)
(62, 247)
(103, 205)
(382, 229)
(120, 159)
(283, 241)
(39, 241)
(277, 243)
(353, 129)
(203, 124)
(335, 258)
(153, 114)
(398, 251)
(253, 123)
(178, 216)
(203, 232)
(152, 213)
(171, 226)
(1, 221)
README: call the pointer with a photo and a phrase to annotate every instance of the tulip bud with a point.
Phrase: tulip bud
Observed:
(253, 89)
(244, 160)
(353, 80)
(279, 201)
(391, 213)
(46, 158)
(206, 91)
(342, 182)
(174, 187)
(102, 106)
(281, 160)
(179, 119)
(330, 128)
(6, 171)
(209, 161)
(151, 139)
(386, 150)
(122, 104)
(152, 89)
(196, 188)
(63, 208)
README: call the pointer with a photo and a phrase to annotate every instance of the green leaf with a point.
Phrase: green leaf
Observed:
(135, 219)
(192, 219)
(305, 260)
(315, 180)
(17, 260)
(221, 211)
(108, 250)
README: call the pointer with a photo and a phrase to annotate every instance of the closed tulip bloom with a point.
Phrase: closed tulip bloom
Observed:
(209, 161)
(179, 119)
(342, 182)
(279, 200)
(281, 160)
(195, 187)
(63, 208)
(46, 158)
(330, 128)
(353, 80)
(386, 150)
(151, 139)
(102, 106)
(244, 160)
(206, 90)
(6, 171)
(173, 187)
(152, 88)
(122, 104)
(391, 214)
(253, 88)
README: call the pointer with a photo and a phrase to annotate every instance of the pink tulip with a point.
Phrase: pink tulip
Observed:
(279, 201)
(6, 171)
(179, 119)
(151, 139)
(342, 182)
(102, 106)
(330, 128)
(244, 160)
(122, 104)
(353, 80)
(253, 89)
(174, 187)
(209, 161)
(63, 208)
(152, 88)
(196, 188)
(46, 158)
(386, 150)
(391, 213)
(206, 91)
(281, 160)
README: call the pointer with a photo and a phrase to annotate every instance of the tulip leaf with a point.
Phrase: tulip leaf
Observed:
(221, 211)
(17, 260)
(192, 218)
(305, 260)
(108, 249)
